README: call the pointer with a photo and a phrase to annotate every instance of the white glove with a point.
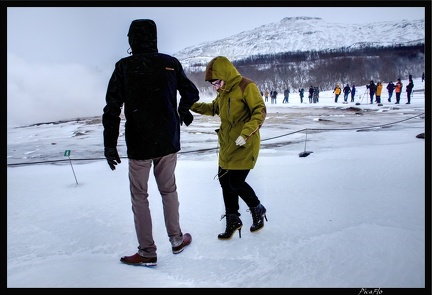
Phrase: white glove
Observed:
(240, 141)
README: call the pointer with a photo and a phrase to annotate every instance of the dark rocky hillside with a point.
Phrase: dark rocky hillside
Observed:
(326, 68)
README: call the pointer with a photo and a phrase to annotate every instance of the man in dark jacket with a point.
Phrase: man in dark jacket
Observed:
(146, 83)
(286, 95)
(346, 91)
(390, 87)
(311, 92)
(372, 90)
(316, 94)
(273, 96)
(409, 89)
(301, 93)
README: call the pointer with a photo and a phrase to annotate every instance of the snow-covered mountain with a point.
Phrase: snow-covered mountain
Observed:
(304, 34)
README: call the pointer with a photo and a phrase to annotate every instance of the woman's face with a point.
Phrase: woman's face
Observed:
(217, 84)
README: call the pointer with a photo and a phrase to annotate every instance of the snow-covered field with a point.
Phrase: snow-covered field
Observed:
(349, 215)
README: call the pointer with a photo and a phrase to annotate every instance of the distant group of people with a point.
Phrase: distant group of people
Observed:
(313, 94)
(346, 91)
(273, 95)
(376, 89)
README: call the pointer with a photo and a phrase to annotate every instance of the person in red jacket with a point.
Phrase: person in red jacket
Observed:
(398, 90)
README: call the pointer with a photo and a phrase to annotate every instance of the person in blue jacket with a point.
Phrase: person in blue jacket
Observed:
(353, 92)
(301, 93)
(390, 88)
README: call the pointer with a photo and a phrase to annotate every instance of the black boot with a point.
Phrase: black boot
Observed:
(258, 215)
(233, 223)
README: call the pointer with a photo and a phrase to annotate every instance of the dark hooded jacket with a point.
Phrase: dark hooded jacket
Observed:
(372, 88)
(146, 83)
(242, 111)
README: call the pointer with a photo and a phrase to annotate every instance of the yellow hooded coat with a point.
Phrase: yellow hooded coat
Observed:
(242, 111)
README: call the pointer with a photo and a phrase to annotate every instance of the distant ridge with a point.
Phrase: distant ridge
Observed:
(304, 33)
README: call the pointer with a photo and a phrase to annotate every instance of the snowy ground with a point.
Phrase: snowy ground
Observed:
(349, 215)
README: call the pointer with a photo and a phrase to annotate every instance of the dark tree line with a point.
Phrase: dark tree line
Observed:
(326, 68)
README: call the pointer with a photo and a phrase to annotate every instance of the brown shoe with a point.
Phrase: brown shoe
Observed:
(139, 260)
(187, 239)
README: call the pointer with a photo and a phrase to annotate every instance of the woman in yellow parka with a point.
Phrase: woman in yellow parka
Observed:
(242, 112)
(337, 91)
(378, 92)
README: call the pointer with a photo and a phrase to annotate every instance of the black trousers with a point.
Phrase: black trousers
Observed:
(234, 185)
(398, 94)
(409, 96)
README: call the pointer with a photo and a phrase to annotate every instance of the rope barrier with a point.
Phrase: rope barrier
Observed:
(215, 148)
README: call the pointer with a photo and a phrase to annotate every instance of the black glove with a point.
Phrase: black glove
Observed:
(112, 156)
(187, 118)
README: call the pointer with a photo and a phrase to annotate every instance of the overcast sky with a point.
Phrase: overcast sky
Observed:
(59, 59)
(97, 35)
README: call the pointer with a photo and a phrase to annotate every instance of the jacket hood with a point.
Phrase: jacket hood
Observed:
(220, 68)
(143, 36)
